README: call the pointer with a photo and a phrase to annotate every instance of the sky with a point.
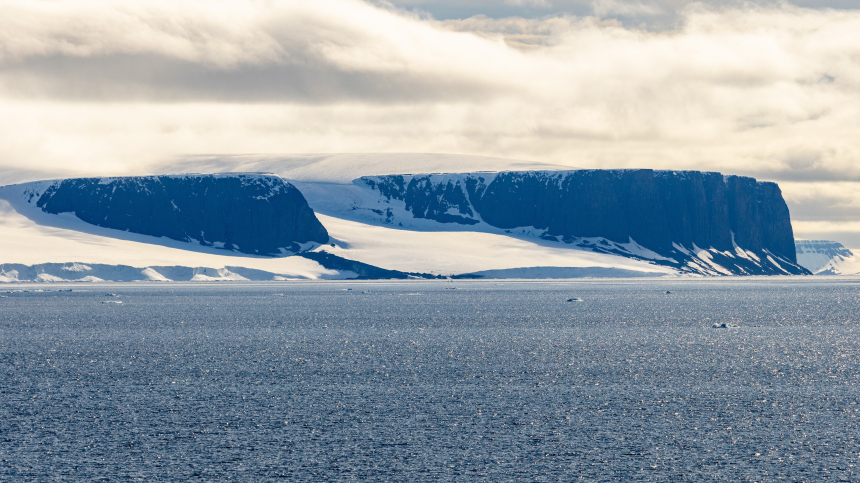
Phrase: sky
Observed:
(769, 89)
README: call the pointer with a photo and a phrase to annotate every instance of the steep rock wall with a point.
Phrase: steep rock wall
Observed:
(249, 213)
(657, 209)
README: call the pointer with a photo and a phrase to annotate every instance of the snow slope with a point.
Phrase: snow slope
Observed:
(444, 252)
(40, 238)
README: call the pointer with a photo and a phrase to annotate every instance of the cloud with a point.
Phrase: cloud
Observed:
(517, 32)
(277, 51)
(652, 14)
(846, 233)
(834, 201)
(529, 3)
(609, 8)
(772, 92)
(802, 227)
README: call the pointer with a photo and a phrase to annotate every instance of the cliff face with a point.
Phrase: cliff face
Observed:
(249, 213)
(672, 213)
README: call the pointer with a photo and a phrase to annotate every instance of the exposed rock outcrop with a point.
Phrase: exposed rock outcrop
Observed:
(249, 213)
(737, 221)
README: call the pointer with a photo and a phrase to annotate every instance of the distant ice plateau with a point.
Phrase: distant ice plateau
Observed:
(826, 257)
(360, 216)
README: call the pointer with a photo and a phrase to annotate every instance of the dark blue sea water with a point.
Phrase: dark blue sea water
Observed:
(432, 381)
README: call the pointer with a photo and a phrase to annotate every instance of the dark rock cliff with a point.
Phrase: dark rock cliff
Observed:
(657, 209)
(249, 213)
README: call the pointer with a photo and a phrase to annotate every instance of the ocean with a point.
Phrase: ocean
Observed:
(591, 380)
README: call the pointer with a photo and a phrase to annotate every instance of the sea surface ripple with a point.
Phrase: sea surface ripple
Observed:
(430, 381)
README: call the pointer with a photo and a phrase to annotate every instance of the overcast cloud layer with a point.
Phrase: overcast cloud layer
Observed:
(769, 90)
(652, 14)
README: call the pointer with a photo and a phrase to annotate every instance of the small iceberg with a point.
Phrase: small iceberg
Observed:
(724, 326)
(112, 301)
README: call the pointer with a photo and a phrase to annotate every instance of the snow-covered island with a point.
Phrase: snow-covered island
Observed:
(350, 217)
